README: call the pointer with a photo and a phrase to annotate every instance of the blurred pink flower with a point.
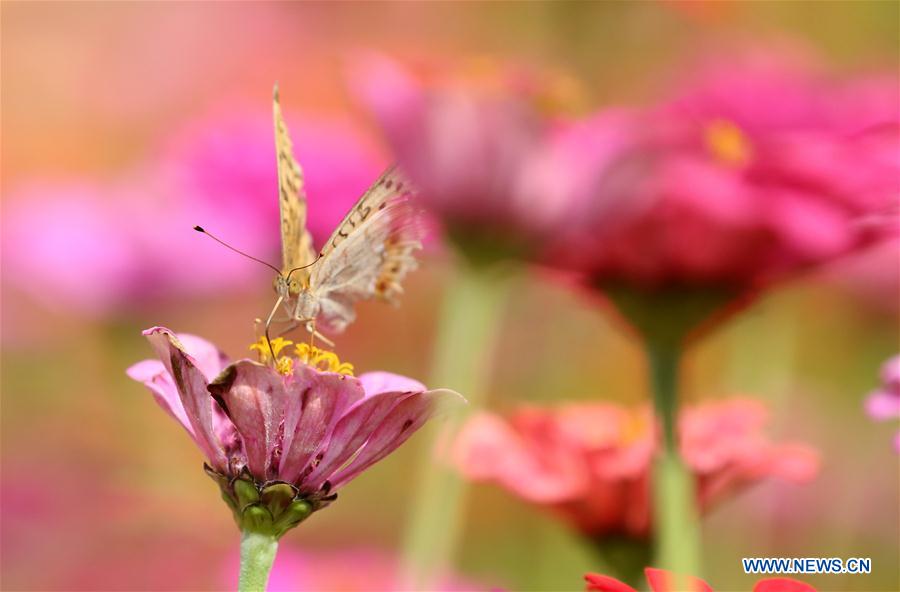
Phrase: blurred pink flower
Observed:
(299, 426)
(500, 176)
(661, 580)
(590, 463)
(100, 247)
(758, 168)
(373, 570)
(884, 403)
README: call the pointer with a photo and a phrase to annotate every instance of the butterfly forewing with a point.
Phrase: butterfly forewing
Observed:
(296, 241)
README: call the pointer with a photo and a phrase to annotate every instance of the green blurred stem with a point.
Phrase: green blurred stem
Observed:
(674, 495)
(257, 556)
(468, 330)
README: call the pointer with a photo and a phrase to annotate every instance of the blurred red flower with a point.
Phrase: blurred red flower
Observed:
(663, 581)
(590, 463)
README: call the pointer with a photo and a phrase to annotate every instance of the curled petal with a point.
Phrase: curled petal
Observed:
(208, 358)
(407, 416)
(315, 403)
(253, 396)
(190, 384)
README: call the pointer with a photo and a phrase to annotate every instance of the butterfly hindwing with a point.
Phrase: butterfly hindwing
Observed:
(296, 241)
(371, 251)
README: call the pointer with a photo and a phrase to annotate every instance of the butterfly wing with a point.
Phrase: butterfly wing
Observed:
(296, 241)
(370, 252)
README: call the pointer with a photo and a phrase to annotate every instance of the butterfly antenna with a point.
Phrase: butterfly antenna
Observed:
(288, 276)
(239, 252)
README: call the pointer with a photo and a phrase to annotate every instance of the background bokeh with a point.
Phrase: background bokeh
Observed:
(100, 490)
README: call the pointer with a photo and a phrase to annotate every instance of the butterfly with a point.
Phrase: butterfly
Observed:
(367, 256)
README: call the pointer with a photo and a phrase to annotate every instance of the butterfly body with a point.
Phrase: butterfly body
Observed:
(367, 256)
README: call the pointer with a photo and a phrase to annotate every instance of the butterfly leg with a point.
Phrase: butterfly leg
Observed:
(269, 324)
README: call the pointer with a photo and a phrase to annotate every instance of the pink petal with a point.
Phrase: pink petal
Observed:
(882, 405)
(316, 402)
(601, 583)
(208, 358)
(782, 585)
(350, 433)
(191, 386)
(487, 448)
(253, 396)
(153, 374)
(383, 382)
(404, 419)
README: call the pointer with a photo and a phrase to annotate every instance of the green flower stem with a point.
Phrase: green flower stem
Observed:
(468, 331)
(257, 556)
(674, 492)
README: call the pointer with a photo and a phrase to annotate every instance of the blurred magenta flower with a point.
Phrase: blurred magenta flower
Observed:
(884, 403)
(374, 570)
(499, 175)
(758, 167)
(661, 580)
(111, 245)
(590, 463)
(282, 440)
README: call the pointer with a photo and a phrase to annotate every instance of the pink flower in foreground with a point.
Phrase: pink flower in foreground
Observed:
(661, 580)
(590, 463)
(758, 168)
(109, 245)
(373, 570)
(500, 176)
(281, 442)
(884, 403)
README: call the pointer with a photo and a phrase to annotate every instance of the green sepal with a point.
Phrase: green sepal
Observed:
(295, 513)
(278, 496)
(256, 518)
(269, 509)
(246, 492)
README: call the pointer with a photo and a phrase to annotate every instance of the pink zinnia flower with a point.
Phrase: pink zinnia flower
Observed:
(884, 403)
(661, 580)
(759, 167)
(591, 463)
(500, 176)
(280, 441)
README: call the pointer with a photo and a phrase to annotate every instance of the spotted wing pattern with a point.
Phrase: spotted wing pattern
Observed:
(370, 252)
(296, 241)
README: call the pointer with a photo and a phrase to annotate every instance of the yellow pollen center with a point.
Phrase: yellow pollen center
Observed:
(320, 359)
(727, 143)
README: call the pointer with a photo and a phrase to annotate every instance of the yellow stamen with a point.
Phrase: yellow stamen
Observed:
(320, 359)
(727, 143)
(263, 350)
(284, 365)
